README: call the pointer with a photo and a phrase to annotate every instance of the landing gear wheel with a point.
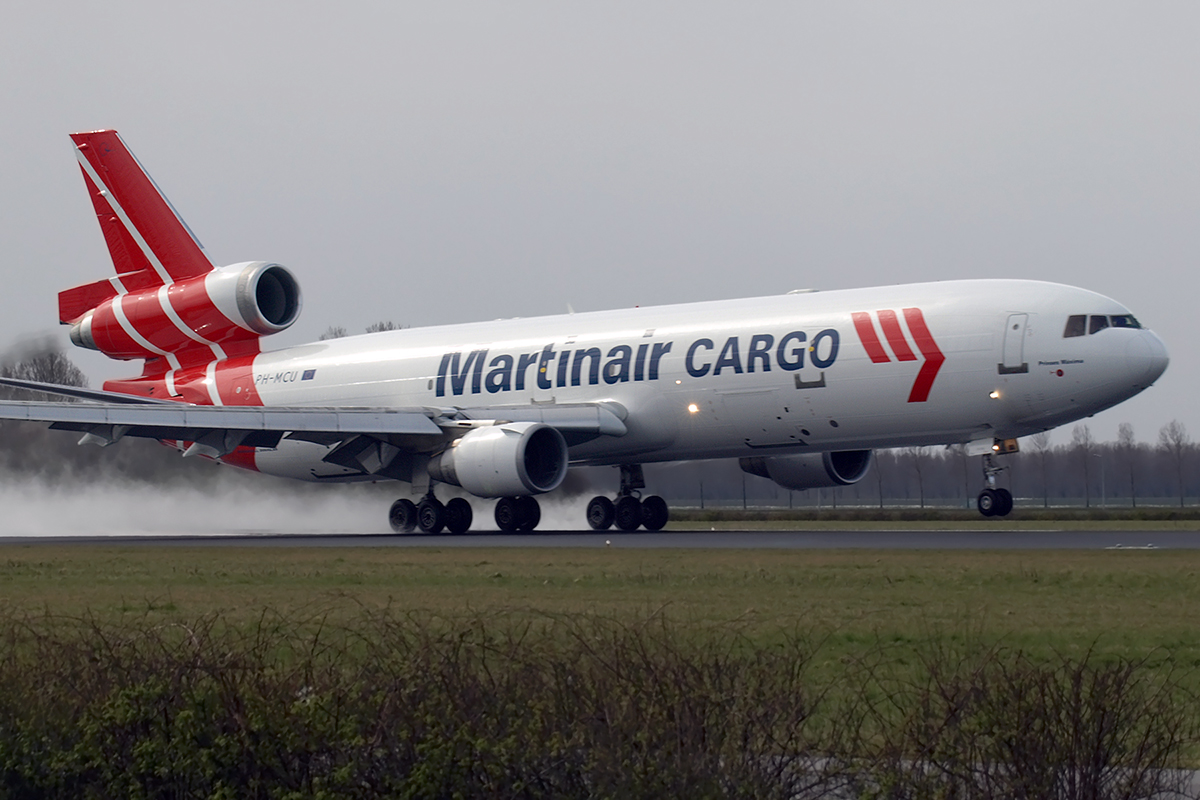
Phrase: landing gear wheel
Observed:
(1004, 502)
(629, 513)
(403, 516)
(988, 502)
(654, 513)
(458, 515)
(600, 513)
(431, 515)
(529, 513)
(507, 516)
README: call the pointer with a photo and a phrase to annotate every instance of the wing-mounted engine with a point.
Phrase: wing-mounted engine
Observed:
(218, 313)
(811, 470)
(508, 460)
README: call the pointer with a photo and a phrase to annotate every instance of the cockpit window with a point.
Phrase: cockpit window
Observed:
(1076, 325)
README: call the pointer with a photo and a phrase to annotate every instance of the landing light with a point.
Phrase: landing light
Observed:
(693, 408)
(995, 395)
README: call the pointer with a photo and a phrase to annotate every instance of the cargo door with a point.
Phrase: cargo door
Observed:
(1014, 346)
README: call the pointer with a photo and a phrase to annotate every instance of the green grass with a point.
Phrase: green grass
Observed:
(1131, 603)
(516, 653)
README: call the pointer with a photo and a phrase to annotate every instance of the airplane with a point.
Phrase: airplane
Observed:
(801, 387)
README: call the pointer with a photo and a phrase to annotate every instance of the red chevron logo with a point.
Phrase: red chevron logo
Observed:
(894, 333)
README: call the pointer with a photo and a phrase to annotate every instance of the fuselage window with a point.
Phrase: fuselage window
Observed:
(1125, 321)
(1076, 326)
(1099, 323)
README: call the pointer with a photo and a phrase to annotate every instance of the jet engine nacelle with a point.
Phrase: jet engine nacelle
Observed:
(811, 470)
(239, 302)
(509, 460)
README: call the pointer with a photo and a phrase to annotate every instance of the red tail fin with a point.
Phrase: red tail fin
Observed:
(150, 244)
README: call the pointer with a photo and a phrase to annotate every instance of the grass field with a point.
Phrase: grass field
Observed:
(397, 672)
(1131, 603)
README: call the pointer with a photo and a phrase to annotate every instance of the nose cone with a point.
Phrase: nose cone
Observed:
(1146, 358)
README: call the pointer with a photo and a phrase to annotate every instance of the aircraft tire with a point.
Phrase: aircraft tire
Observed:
(458, 515)
(507, 516)
(403, 516)
(431, 515)
(600, 513)
(529, 513)
(629, 513)
(988, 502)
(1004, 504)
(655, 513)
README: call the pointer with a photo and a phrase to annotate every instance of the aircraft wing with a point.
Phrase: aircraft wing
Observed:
(105, 417)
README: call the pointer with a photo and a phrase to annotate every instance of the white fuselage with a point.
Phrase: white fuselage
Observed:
(766, 375)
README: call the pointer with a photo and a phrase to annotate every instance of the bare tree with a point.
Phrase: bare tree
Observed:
(383, 325)
(918, 461)
(1041, 446)
(960, 452)
(44, 363)
(1174, 440)
(1085, 444)
(333, 332)
(878, 466)
(1125, 449)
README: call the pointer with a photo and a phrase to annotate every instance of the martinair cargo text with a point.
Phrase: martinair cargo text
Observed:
(801, 388)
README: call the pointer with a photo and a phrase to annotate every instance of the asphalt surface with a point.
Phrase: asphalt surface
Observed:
(782, 540)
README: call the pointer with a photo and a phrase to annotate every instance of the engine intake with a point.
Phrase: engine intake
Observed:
(811, 470)
(509, 460)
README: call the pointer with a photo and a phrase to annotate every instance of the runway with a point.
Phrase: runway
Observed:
(765, 540)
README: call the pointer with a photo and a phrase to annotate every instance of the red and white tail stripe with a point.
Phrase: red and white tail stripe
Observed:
(167, 304)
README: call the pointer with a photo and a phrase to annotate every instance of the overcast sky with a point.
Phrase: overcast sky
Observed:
(445, 162)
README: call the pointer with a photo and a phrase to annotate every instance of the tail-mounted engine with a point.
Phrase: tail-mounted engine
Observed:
(811, 470)
(510, 460)
(214, 311)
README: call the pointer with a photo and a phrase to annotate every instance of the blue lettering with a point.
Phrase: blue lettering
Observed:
(702, 370)
(543, 376)
(760, 349)
(834, 341)
(729, 357)
(796, 360)
(639, 366)
(499, 379)
(660, 350)
(617, 370)
(523, 364)
(458, 377)
(593, 367)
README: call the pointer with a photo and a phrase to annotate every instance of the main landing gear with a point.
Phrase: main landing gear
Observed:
(629, 512)
(993, 501)
(456, 516)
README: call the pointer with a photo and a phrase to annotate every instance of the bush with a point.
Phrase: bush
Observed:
(398, 705)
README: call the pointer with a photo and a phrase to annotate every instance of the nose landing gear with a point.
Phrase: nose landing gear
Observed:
(993, 501)
(630, 511)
